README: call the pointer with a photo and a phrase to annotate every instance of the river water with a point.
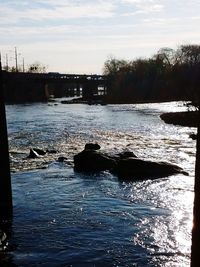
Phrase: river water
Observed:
(64, 218)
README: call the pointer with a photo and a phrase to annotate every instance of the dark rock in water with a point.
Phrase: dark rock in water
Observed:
(36, 153)
(127, 154)
(39, 151)
(93, 161)
(125, 165)
(52, 151)
(134, 168)
(193, 136)
(33, 154)
(62, 159)
(3, 240)
(92, 146)
(187, 118)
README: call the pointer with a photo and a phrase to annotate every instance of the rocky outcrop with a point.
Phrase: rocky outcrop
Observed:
(92, 146)
(134, 168)
(93, 161)
(126, 165)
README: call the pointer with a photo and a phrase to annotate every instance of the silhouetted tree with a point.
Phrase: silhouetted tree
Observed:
(37, 67)
(168, 75)
(113, 66)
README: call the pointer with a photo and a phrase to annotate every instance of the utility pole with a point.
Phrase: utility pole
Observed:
(7, 62)
(16, 59)
(5, 177)
(23, 66)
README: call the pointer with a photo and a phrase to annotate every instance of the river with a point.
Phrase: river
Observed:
(63, 218)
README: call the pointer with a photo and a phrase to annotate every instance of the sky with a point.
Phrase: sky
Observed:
(78, 36)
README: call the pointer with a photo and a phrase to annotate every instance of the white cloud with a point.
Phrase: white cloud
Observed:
(79, 33)
(145, 6)
(54, 10)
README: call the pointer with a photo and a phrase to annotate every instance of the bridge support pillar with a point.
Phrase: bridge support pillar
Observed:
(46, 91)
(5, 178)
(88, 91)
(78, 91)
(195, 255)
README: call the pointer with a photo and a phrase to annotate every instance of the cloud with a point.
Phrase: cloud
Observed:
(144, 6)
(82, 29)
(54, 10)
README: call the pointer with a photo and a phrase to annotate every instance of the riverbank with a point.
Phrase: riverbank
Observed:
(187, 118)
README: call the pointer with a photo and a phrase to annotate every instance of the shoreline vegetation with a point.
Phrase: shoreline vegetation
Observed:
(169, 75)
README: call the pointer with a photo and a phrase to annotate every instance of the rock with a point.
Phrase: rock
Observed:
(92, 146)
(3, 241)
(134, 168)
(62, 159)
(36, 153)
(187, 118)
(193, 136)
(33, 154)
(127, 154)
(39, 151)
(125, 165)
(93, 161)
(52, 151)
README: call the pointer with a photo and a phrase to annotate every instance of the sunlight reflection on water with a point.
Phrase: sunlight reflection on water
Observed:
(62, 218)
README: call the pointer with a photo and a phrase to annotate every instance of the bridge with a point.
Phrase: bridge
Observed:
(33, 87)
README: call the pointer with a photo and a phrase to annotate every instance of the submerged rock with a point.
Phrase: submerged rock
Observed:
(62, 159)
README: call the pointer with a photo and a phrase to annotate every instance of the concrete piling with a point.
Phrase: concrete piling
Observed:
(5, 177)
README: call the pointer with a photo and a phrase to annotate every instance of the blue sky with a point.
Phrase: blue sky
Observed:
(78, 36)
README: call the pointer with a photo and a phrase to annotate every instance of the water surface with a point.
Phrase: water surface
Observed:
(64, 218)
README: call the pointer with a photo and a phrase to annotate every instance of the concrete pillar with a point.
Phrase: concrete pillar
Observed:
(104, 90)
(78, 89)
(88, 91)
(5, 178)
(195, 255)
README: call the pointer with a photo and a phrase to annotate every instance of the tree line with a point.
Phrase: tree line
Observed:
(166, 76)
(35, 67)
